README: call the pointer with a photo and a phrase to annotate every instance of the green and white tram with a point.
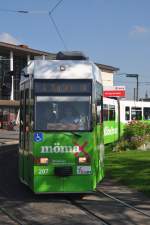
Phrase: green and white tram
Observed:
(115, 116)
(61, 130)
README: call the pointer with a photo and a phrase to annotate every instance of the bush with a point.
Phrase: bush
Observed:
(122, 145)
(136, 128)
(136, 133)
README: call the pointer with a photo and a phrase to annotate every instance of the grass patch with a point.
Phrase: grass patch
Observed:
(131, 168)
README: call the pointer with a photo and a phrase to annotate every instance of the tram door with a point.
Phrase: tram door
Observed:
(24, 134)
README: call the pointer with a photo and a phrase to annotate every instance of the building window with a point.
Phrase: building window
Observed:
(5, 82)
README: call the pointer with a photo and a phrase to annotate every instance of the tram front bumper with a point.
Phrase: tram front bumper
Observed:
(69, 184)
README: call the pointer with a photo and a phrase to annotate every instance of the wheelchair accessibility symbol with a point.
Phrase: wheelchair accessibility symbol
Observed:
(38, 137)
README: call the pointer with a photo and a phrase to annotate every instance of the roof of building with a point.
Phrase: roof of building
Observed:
(106, 67)
(23, 50)
(9, 103)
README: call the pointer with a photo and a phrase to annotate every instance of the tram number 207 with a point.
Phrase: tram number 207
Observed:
(42, 171)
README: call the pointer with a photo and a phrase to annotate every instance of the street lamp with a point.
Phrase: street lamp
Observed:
(137, 83)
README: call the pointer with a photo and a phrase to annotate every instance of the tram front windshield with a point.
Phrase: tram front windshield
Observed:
(65, 113)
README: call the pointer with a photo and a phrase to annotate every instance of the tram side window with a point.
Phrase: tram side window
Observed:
(21, 119)
(99, 103)
(136, 113)
(146, 113)
(98, 116)
(105, 112)
(127, 113)
(27, 118)
(32, 109)
(27, 114)
(111, 112)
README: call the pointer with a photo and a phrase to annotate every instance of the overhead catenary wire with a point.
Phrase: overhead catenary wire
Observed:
(57, 31)
(32, 11)
(24, 11)
(57, 4)
(42, 12)
(9, 10)
(55, 25)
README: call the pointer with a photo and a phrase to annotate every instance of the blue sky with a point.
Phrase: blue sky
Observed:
(112, 32)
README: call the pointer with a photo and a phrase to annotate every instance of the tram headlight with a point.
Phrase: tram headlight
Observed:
(41, 161)
(82, 159)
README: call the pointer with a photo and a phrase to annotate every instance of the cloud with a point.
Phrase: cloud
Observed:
(8, 38)
(139, 30)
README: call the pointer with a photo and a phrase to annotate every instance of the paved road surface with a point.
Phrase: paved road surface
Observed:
(8, 137)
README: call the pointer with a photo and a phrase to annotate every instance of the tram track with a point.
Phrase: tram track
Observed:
(10, 216)
(6, 212)
(120, 210)
(87, 211)
(99, 193)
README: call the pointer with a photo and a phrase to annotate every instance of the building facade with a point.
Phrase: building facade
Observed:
(107, 73)
(12, 59)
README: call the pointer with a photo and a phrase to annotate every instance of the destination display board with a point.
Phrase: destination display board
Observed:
(57, 87)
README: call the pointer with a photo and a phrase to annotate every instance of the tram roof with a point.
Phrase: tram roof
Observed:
(63, 69)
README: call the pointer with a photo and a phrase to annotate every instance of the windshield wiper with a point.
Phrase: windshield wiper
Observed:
(77, 134)
(74, 133)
